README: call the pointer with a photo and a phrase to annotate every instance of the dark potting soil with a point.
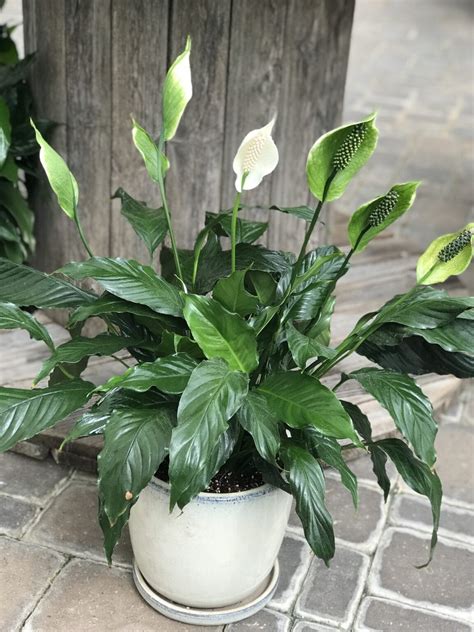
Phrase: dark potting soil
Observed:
(223, 482)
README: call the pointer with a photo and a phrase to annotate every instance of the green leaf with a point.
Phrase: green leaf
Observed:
(426, 308)
(410, 409)
(360, 421)
(25, 286)
(14, 203)
(301, 400)
(177, 91)
(329, 450)
(9, 170)
(213, 395)
(26, 412)
(264, 285)
(148, 223)
(444, 350)
(247, 231)
(78, 348)
(231, 293)
(92, 422)
(60, 178)
(149, 151)
(169, 374)
(303, 212)
(135, 443)
(303, 348)
(430, 269)
(418, 476)
(221, 334)
(131, 281)
(111, 533)
(405, 196)
(321, 330)
(11, 75)
(5, 131)
(320, 165)
(262, 424)
(379, 460)
(12, 317)
(307, 486)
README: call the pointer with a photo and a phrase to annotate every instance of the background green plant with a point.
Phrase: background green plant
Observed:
(229, 348)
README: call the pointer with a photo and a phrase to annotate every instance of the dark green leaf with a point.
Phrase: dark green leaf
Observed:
(135, 443)
(131, 281)
(329, 450)
(111, 533)
(221, 334)
(379, 460)
(5, 131)
(213, 395)
(247, 231)
(231, 293)
(25, 286)
(26, 412)
(301, 400)
(17, 207)
(418, 476)
(264, 285)
(307, 486)
(78, 348)
(360, 421)
(303, 212)
(92, 422)
(410, 409)
(12, 317)
(148, 223)
(321, 166)
(11, 75)
(169, 374)
(256, 418)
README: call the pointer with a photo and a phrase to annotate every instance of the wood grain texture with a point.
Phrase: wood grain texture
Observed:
(139, 54)
(196, 153)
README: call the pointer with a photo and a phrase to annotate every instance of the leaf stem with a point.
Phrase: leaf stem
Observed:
(235, 211)
(77, 221)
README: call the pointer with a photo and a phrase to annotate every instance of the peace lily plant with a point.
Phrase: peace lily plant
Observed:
(229, 348)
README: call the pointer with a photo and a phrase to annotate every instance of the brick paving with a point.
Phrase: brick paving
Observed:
(412, 60)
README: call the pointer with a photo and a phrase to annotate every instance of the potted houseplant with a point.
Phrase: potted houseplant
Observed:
(222, 415)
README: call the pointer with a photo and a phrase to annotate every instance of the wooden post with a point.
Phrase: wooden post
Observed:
(100, 61)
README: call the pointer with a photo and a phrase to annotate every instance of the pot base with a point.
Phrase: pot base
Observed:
(207, 616)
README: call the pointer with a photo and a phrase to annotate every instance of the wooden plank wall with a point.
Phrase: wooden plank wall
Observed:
(99, 62)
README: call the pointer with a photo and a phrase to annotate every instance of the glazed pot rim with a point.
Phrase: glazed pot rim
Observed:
(261, 490)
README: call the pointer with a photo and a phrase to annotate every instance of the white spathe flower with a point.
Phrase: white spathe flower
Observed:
(256, 157)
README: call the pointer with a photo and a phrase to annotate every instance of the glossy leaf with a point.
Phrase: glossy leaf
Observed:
(301, 400)
(60, 178)
(231, 294)
(262, 424)
(302, 212)
(303, 348)
(410, 409)
(110, 532)
(320, 163)
(148, 223)
(379, 461)
(169, 374)
(26, 412)
(18, 209)
(247, 231)
(135, 443)
(24, 286)
(78, 348)
(221, 334)
(307, 486)
(359, 419)
(264, 286)
(12, 317)
(131, 281)
(5, 131)
(426, 273)
(213, 395)
(156, 163)
(177, 91)
(329, 450)
(418, 476)
(92, 422)
(406, 194)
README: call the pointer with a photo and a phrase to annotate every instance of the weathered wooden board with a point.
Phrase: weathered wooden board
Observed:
(99, 62)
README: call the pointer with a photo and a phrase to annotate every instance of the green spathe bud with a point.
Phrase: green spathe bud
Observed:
(446, 256)
(351, 144)
(455, 246)
(383, 210)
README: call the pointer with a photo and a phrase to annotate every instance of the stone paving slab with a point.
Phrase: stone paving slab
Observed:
(455, 465)
(375, 613)
(294, 558)
(331, 595)
(70, 525)
(306, 626)
(25, 573)
(90, 597)
(444, 587)
(15, 516)
(34, 480)
(263, 621)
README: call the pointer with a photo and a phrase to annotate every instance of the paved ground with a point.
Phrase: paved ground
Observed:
(411, 60)
(54, 578)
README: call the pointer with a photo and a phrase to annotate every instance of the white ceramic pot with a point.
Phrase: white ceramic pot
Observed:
(217, 551)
